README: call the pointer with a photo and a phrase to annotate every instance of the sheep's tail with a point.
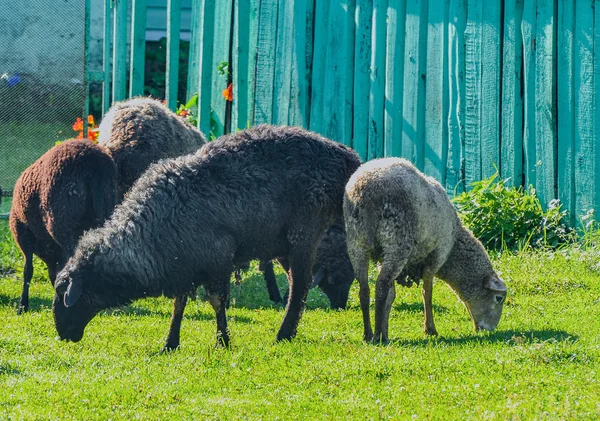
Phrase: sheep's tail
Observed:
(104, 197)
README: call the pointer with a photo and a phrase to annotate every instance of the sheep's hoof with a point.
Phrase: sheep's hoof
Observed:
(22, 309)
(430, 331)
(169, 348)
(379, 339)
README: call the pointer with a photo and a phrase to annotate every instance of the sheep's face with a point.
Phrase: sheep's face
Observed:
(335, 286)
(77, 301)
(485, 304)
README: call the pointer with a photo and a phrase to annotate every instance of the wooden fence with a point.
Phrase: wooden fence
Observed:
(463, 88)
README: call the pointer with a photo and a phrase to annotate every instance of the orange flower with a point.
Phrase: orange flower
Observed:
(80, 135)
(94, 135)
(78, 125)
(228, 93)
(91, 120)
(182, 113)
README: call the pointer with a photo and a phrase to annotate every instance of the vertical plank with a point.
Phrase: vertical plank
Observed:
(138, 48)
(244, 62)
(473, 57)
(377, 89)
(205, 28)
(436, 94)
(301, 61)
(283, 63)
(106, 56)
(334, 116)
(394, 78)
(193, 71)
(457, 16)
(596, 134)
(584, 107)
(512, 102)
(119, 87)
(172, 73)
(545, 111)
(414, 82)
(86, 62)
(528, 29)
(362, 76)
(266, 60)
(490, 87)
(221, 49)
(566, 107)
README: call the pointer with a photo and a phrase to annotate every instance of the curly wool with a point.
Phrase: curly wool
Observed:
(140, 131)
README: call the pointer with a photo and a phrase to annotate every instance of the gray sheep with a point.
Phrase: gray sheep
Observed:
(261, 193)
(140, 131)
(395, 214)
(69, 189)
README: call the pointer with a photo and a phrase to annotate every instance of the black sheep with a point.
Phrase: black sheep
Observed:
(69, 189)
(261, 193)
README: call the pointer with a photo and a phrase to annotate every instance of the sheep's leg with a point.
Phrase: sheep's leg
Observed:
(52, 270)
(390, 269)
(27, 275)
(300, 280)
(175, 329)
(218, 296)
(269, 274)
(427, 294)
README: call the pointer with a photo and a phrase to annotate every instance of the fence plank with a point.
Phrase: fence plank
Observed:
(138, 48)
(194, 52)
(119, 62)
(595, 173)
(545, 112)
(172, 72)
(377, 87)
(490, 87)
(394, 78)
(244, 62)
(301, 63)
(265, 63)
(414, 82)
(106, 56)
(362, 75)
(584, 107)
(512, 102)
(221, 48)
(283, 63)
(204, 29)
(436, 131)
(457, 16)
(566, 107)
(473, 57)
(528, 30)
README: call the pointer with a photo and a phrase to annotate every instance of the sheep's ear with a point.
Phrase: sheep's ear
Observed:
(495, 284)
(73, 292)
(318, 277)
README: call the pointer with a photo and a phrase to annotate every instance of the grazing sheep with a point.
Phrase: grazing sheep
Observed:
(395, 214)
(261, 193)
(69, 189)
(332, 271)
(140, 131)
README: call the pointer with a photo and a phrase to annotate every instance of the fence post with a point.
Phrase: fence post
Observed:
(138, 47)
(119, 88)
(173, 30)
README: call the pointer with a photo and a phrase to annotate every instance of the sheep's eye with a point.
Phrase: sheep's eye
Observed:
(499, 299)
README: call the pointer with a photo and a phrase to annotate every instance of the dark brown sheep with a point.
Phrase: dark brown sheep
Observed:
(67, 191)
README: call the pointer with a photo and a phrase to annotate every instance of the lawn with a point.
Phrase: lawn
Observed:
(543, 362)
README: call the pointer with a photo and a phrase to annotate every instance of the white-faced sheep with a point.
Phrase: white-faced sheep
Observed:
(261, 193)
(395, 214)
(140, 131)
(69, 189)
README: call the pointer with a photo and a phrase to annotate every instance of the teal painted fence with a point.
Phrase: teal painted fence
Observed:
(463, 88)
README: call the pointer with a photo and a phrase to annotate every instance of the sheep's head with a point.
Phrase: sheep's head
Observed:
(335, 285)
(80, 295)
(485, 303)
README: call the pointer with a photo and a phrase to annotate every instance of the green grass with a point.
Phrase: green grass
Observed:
(22, 144)
(543, 362)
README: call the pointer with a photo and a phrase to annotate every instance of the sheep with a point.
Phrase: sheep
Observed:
(69, 189)
(140, 131)
(397, 215)
(261, 193)
(332, 271)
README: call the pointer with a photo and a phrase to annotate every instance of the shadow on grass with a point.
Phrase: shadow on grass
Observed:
(190, 314)
(510, 337)
(417, 307)
(35, 303)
